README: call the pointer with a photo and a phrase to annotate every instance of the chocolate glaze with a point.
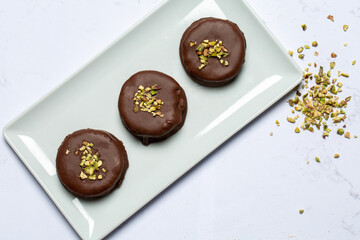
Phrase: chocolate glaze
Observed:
(111, 151)
(214, 74)
(142, 124)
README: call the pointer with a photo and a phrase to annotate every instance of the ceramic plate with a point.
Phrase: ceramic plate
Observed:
(88, 99)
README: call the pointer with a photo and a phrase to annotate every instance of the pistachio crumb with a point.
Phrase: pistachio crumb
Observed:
(340, 131)
(333, 55)
(332, 65)
(307, 162)
(317, 159)
(336, 155)
(353, 62)
(345, 27)
(300, 49)
(297, 130)
(301, 211)
(290, 120)
(347, 135)
(331, 17)
(316, 53)
(304, 27)
(344, 74)
(314, 44)
(83, 175)
(301, 56)
(67, 151)
(345, 44)
(271, 133)
(277, 123)
(355, 136)
(291, 53)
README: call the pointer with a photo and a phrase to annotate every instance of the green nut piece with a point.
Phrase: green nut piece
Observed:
(340, 131)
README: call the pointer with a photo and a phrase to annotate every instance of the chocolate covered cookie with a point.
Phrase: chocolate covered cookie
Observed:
(91, 163)
(152, 106)
(212, 51)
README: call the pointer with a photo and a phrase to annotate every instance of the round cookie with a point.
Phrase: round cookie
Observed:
(152, 106)
(91, 163)
(219, 65)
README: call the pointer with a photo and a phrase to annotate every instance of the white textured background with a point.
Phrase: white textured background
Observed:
(252, 187)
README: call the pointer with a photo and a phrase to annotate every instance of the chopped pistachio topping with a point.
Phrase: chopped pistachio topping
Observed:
(89, 161)
(345, 27)
(271, 133)
(301, 211)
(353, 62)
(290, 120)
(336, 155)
(300, 49)
(301, 56)
(332, 65)
(347, 135)
(330, 17)
(340, 131)
(355, 136)
(316, 53)
(145, 100)
(306, 46)
(67, 152)
(291, 53)
(319, 103)
(277, 123)
(304, 27)
(314, 44)
(208, 49)
(344, 74)
(317, 159)
(297, 130)
(192, 43)
(345, 44)
(333, 55)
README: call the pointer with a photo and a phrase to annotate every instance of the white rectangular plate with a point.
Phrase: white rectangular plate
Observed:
(89, 100)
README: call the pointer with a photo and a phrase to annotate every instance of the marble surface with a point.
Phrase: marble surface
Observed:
(252, 187)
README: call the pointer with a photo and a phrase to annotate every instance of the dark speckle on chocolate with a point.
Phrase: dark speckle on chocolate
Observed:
(144, 125)
(214, 74)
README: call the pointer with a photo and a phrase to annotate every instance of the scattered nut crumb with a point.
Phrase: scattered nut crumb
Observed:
(330, 17)
(332, 65)
(345, 44)
(340, 131)
(67, 151)
(297, 130)
(347, 135)
(336, 155)
(317, 159)
(301, 211)
(304, 27)
(333, 55)
(291, 53)
(316, 53)
(271, 133)
(353, 62)
(290, 120)
(277, 123)
(345, 27)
